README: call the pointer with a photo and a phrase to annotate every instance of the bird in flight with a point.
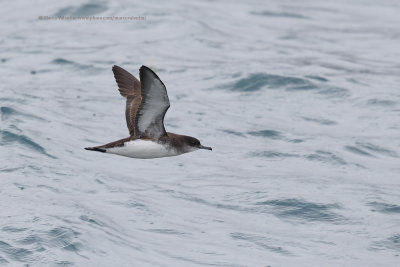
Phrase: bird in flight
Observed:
(146, 104)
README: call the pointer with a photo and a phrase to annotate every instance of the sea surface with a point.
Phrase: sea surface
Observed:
(300, 101)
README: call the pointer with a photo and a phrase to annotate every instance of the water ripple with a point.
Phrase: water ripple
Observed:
(273, 154)
(320, 121)
(317, 78)
(261, 242)
(9, 138)
(299, 209)
(377, 149)
(384, 207)
(13, 229)
(267, 133)
(86, 218)
(165, 231)
(326, 157)
(380, 102)
(64, 238)
(15, 253)
(335, 92)
(7, 113)
(357, 151)
(255, 82)
(79, 66)
(392, 242)
(233, 132)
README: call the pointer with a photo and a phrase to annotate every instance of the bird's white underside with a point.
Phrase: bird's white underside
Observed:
(143, 149)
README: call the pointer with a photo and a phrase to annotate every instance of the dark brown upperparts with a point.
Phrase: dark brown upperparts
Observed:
(130, 88)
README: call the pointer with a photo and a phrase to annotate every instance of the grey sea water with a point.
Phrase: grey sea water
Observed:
(300, 101)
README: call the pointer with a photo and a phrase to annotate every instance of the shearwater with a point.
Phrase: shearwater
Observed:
(146, 104)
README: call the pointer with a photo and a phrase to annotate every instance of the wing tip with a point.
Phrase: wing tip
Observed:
(143, 67)
(115, 67)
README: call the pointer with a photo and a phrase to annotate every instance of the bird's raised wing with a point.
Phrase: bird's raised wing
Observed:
(149, 120)
(130, 88)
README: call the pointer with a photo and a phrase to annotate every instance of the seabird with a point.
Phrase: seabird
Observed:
(146, 104)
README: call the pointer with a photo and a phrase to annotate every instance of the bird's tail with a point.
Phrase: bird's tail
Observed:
(95, 149)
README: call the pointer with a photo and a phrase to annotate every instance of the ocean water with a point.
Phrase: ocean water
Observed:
(300, 101)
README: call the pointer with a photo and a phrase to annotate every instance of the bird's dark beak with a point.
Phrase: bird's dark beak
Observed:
(205, 147)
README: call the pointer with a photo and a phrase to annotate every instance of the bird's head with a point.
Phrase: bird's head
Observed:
(194, 144)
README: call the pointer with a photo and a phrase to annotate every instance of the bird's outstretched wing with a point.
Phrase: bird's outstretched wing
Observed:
(130, 88)
(149, 119)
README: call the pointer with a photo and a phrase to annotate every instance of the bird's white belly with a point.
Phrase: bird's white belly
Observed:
(143, 149)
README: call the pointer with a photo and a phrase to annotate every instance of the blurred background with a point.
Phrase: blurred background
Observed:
(300, 101)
